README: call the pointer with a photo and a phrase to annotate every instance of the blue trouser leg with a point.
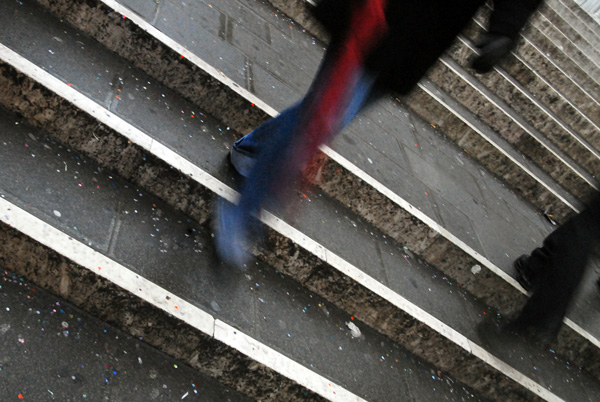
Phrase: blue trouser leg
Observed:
(283, 144)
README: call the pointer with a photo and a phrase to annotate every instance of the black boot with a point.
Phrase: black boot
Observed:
(526, 275)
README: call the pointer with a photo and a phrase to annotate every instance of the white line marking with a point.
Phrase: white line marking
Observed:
(488, 139)
(547, 146)
(103, 266)
(289, 368)
(157, 296)
(182, 50)
(545, 109)
(339, 158)
(188, 168)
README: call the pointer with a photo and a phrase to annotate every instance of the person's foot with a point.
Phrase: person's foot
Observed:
(242, 162)
(525, 275)
(231, 235)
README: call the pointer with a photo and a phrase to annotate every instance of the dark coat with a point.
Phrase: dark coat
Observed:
(419, 31)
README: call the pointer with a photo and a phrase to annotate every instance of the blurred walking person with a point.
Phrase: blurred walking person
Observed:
(376, 46)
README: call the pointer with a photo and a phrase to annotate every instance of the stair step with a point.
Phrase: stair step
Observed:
(156, 123)
(576, 18)
(561, 122)
(555, 28)
(520, 133)
(97, 360)
(490, 149)
(140, 247)
(139, 236)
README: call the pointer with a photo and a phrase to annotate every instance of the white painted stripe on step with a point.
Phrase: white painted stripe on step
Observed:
(289, 368)
(221, 189)
(489, 140)
(582, 332)
(591, 62)
(551, 61)
(548, 146)
(415, 311)
(103, 266)
(157, 296)
(111, 120)
(546, 110)
(182, 50)
(515, 375)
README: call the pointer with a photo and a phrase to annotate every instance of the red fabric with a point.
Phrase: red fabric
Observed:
(368, 26)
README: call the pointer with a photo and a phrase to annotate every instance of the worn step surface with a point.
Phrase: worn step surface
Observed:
(211, 152)
(166, 249)
(452, 218)
(573, 174)
(97, 361)
(163, 247)
(565, 128)
(155, 123)
(577, 18)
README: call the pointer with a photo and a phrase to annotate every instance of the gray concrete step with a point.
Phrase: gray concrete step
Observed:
(547, 59)
(153, 122)
(97, 360)
(561, 32)
(248, 70)
(491, 150)
(129, 245)
(449, 220)
(576, 18)
(121, 236)
(517, 130)
(569, 130)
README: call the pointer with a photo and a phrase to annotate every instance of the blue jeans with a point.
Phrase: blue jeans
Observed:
(283, 145)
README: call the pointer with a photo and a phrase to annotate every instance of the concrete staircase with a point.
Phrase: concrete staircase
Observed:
(116, 120)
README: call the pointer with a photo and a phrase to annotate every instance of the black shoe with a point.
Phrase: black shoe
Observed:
(525, 275)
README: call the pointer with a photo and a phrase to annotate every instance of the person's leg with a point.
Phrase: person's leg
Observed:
(274, 154)
(245, 151)
(559, 265)
(336, 95)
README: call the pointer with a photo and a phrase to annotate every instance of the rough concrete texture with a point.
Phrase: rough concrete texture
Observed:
(84, 15)
(543, 55)
(565, 112)
(71, 128)
(80, 131)
(575, 14)
(580, 111)
(516, 135)
(299, 10)
(575, 49)
(552, 43)
(574, 84)
(145, 52)
(548, 16)
(418, 237)
(283, 253)
(564, 13)
(488, 155)
(320, 278)
(479, 148)
(123, 310)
